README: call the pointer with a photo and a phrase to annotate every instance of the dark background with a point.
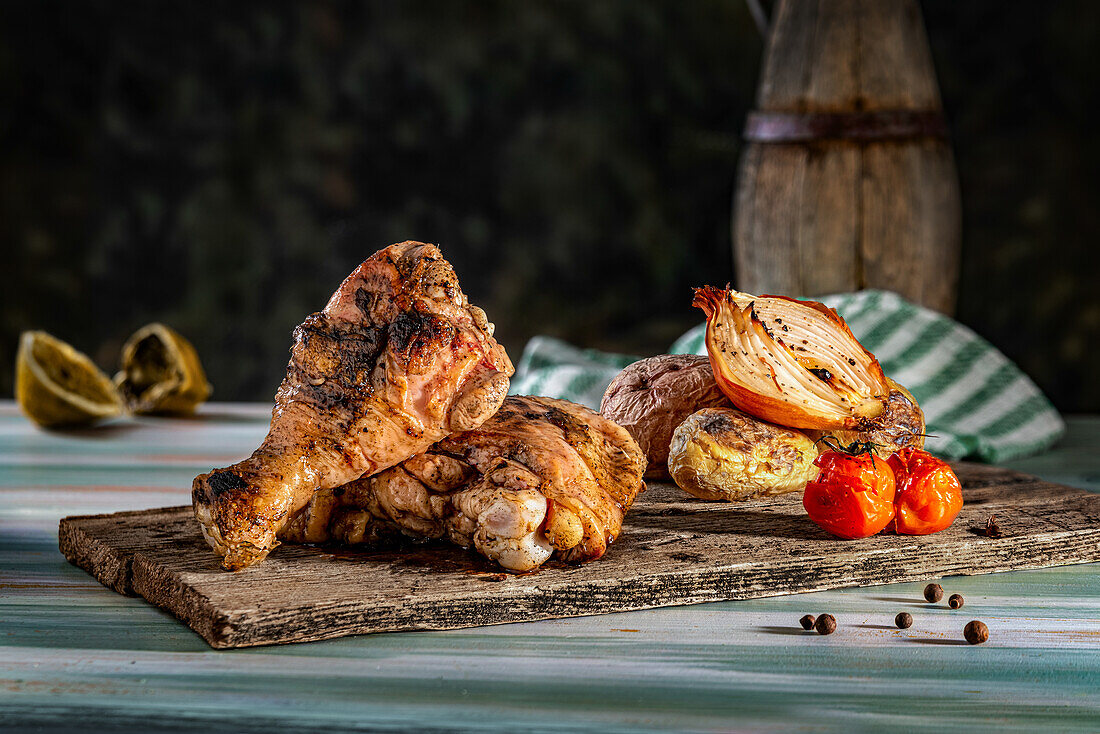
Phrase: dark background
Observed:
(222, 166)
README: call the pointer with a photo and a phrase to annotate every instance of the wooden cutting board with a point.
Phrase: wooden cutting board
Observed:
(673, 550)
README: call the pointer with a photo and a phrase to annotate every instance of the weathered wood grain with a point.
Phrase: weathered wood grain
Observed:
(674, 550)
(828, 215)
(105, 545)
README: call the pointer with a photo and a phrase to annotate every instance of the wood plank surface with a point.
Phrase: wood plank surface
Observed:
(674, 550)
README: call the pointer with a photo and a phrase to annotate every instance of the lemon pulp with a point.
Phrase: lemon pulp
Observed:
(160, 372)
(56, 385)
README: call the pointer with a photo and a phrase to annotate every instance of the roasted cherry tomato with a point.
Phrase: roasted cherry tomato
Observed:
(929, 495)
(853, 494)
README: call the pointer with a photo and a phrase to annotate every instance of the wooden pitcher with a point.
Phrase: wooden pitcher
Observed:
(848, 181)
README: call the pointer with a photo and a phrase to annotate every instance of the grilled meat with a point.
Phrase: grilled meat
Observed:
(397, 360)
(542, 475)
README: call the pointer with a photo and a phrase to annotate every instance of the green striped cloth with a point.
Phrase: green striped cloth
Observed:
(977, 403)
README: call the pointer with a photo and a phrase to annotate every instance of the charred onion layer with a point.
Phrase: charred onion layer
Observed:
(794, 363)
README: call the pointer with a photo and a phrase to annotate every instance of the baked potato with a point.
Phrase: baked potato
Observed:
(724, 454)
(651, 397)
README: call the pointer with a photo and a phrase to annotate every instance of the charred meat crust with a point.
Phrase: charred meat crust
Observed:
(415, 339)
(224, 481)
(364, 299)
(332, 360)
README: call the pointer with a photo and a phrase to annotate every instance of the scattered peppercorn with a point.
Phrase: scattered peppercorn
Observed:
(976, 632)
(955, 601)
(825, 624)
(807, 622)
(933, 592)
(992, 529)
(904, 620)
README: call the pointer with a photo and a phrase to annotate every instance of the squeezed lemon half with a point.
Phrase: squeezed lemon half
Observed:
(160, 372)
(56, 385)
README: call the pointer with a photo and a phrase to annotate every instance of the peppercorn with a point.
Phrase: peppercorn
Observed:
(825, 624)
(904, 620)
(933, 592)
(955, 601)
(976, 632)
(807, 622)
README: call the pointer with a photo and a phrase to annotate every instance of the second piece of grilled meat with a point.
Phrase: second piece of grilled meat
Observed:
(541, 476)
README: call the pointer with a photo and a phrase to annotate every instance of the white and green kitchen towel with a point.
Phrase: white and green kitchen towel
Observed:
(976, 402)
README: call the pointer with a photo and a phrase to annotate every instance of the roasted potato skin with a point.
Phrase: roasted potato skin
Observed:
(901, 425)
(651, 397)
(725, 454)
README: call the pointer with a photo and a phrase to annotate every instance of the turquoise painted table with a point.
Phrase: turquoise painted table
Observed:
(74, 655)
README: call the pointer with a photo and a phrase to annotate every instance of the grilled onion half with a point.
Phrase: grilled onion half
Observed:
(794, 363)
